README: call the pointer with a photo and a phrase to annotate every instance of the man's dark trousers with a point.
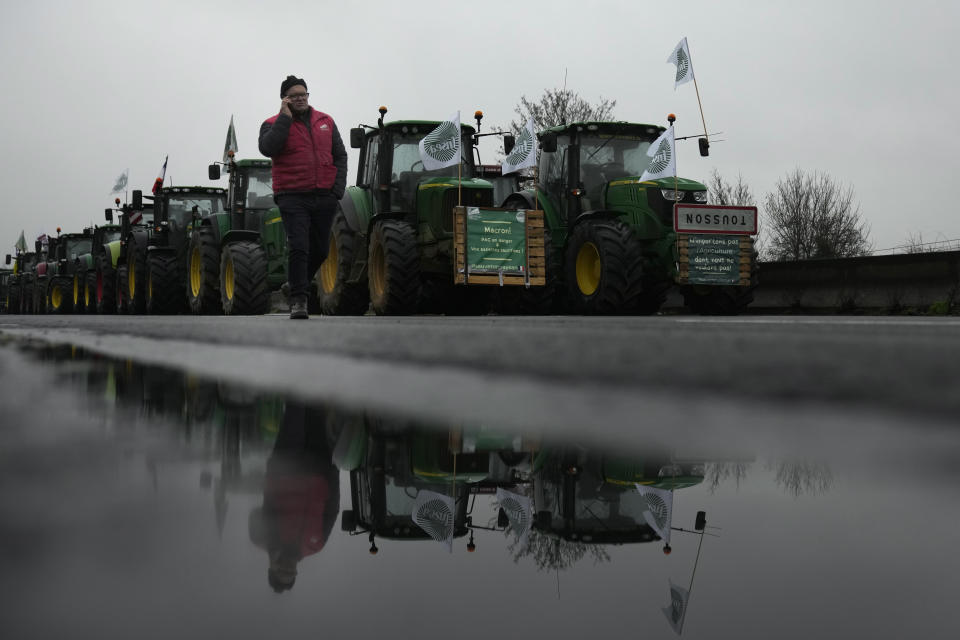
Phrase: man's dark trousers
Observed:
(307, 218)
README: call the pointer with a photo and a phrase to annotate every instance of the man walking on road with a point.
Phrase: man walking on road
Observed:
(309, 177)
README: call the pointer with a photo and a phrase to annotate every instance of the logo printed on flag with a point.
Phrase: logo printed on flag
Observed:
(664, 159)
(681, 58)
(519, 510)
(433, 512)
(441, 147)
(121, 182)
(677, 610)
(658, 509)
(524, 153)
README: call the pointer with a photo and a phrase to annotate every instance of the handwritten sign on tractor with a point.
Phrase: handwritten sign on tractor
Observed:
(715, 259)
(496, 241)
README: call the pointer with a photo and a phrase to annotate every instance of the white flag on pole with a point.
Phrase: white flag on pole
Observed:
(658, 511)
(441, 147)
(433, 512)
(524, 152)
(678, 607)
(664, 157)
(681, 58)
(519, 510)
(121, 184)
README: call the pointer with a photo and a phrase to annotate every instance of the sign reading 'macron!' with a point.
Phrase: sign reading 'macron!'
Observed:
(705, 218)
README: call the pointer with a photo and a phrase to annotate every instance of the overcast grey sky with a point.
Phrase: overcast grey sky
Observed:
(865, 91)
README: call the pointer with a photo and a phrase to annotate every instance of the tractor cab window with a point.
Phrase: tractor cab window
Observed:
(180, 210)
(78, 247)
(408, 170)
(259, 188)
(607, 157)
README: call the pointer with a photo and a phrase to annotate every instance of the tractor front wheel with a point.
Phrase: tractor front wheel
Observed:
(164, 293)
(243, 279)
(394, 268)
(603, 266)
(337, 296)
(203, 273)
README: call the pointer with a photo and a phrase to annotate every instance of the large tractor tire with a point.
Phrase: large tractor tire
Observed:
(393, 268)
(203, 273)
(603, 267)
(121, 303)
(13, 300)
(337, 296)
(164, 289)
(77, 293)
(243, 279)
(106, 287)
(721, 300)
(90, 293)
(26, 299)
(648, 294)
(60, 296)
(136, 261)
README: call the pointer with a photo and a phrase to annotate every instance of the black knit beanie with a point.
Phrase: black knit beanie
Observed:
(291, 81)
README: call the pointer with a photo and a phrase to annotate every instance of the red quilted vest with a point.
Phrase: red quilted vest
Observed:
(307, 160)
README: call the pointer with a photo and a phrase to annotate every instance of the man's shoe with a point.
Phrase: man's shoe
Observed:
(298, 311)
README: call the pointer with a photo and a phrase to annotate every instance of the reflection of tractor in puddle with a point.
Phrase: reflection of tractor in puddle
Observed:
(390, 467)
(593, 498)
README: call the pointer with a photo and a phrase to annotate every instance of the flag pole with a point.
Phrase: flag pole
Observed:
(459, 191)
(699, 103)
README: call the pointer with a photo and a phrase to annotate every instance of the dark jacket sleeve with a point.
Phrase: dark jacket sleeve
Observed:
(340, 161)
(273, 137)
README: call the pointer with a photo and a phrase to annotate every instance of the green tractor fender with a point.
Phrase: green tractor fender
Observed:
(236, 235)
(358, 209)
(113, 251)
(219, 223)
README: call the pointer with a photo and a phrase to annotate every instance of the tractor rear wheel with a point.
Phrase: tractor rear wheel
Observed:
(106, 287)
(13, 300)
(59, 296)
(78, 284)
(203, 273)
(136, 294)
(120, 290)
(602, 266)
(243, 279)
(393, 268)
(90, 293)
(721, 300)
(337, 296)
(164, 292)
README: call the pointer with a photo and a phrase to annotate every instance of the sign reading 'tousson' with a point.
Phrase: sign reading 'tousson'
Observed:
(708, 218)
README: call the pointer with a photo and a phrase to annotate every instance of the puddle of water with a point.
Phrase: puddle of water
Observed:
(141, 501)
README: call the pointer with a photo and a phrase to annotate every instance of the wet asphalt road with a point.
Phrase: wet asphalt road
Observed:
(673, 370)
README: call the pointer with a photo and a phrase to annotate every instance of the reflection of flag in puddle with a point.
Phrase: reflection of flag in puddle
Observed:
(659, 509)
(519, 512)
(678, 607)
(433, 512)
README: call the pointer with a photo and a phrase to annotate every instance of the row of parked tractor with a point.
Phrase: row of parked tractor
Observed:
(609, 242)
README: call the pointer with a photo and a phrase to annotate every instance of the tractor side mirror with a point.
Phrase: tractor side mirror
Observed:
(548, 143)
(704, 146)
(108, 215)
(509, 142)
(213, 171)
(356, 138)
(137, 200)
(8, 258)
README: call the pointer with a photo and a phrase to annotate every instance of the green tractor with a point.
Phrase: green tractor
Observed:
(392, 244)
(238, 256)
(614, 244)
(99, 267)
(58, 281)
(129, 257)
(5, 277)
(24, 264)
(157, 259)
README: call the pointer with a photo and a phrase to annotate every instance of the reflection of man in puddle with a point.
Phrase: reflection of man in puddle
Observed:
(301, 495)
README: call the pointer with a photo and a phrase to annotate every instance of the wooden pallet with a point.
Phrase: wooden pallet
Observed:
(536, 265)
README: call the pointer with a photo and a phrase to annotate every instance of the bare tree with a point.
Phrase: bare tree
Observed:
(736, 194)
(560, 106)
(719, 472)
(810, 215)
(550, 553)
(800, 477)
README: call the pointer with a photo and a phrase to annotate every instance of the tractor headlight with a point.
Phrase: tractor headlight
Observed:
(670, 194)
(700, 196)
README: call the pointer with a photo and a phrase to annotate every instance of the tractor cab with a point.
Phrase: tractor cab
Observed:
(73, 245)
(177, 208)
